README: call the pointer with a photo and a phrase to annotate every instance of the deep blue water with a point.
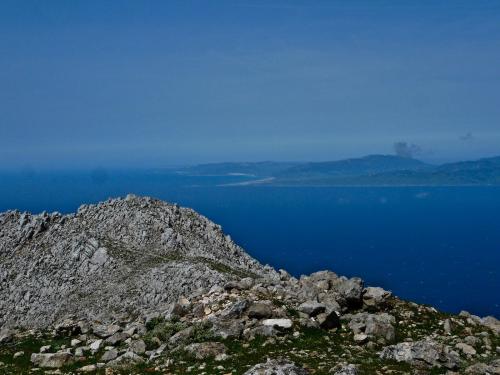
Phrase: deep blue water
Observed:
(439, 246)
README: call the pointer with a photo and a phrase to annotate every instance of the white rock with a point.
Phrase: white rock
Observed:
(466, 349)
(95, 345)
(281, 323)
(88, 368)
(360, 337)
(51, 360)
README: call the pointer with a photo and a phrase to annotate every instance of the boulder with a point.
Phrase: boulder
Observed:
(125, 360)
(260, 310)
(138, 346)
(424, 353)
(205, 350)
(178, 309)
(375, 325)
(104, 331)
(95, 345)
(52, 360)
(109, 355)
(68, 327)
(328, 320)
(350, 291)
(243, 284)
(227, 329)
(277, 367)
(492, 323)
(87, 368)
(235, 310)
(374, 297)
(465, 348)
(6, 335)
(265, 331)
(181, 336)
(278, 323)
(346, 369)
(492, 368)
(360, 338)
(117, 338)
(312, 308)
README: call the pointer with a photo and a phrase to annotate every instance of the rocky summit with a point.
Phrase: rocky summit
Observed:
(137, 285)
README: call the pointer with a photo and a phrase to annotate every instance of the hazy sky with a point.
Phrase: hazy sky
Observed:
(152, 83)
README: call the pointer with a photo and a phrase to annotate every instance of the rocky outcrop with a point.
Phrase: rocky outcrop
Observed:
(136, 284)
(424, 353)
(120, 257)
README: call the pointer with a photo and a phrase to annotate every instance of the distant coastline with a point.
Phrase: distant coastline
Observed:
(371, 170)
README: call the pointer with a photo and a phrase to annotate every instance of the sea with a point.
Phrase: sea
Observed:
(433, 245)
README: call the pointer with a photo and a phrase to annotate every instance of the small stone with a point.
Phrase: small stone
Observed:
(18, 354)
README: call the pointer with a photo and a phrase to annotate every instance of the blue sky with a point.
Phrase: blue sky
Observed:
(153, 83)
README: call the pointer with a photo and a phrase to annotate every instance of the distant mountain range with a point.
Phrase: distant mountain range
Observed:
(369, 170)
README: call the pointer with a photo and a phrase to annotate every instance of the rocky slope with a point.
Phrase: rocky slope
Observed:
(124, 256)
(137, 285)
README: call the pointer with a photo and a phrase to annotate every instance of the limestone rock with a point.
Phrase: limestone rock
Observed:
(375, 297)
(279, 323)
(75, 265)
(260, 310)
(427, 353)
(52, 360)
(465, 348)
(312, 308)
(328, 320)
(377, 325)
(346, 369)
(138, 346)
(109, 355)
(206, 349)
(277, 367)
(125, 360)
(6, 335)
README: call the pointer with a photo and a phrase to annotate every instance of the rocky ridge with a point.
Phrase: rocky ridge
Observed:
(137, 285)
